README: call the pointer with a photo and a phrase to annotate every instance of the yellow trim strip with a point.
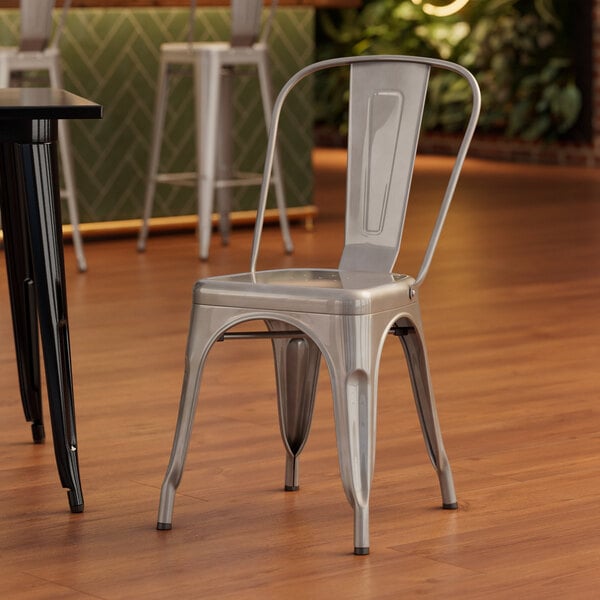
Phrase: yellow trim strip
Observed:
(131, 227)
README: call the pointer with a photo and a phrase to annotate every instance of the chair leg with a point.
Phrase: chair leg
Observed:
(267, 102)
(416, 357)
(207, 82)
(355, 408)
(197, 351)
(224, 195)
(66, 159)
(160, 111)
(297, 362)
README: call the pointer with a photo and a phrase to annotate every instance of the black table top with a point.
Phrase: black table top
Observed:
(45, 103)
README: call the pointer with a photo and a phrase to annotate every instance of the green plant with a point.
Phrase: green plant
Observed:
(519, 51)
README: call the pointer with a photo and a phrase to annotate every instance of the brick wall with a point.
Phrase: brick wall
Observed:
(497, 148)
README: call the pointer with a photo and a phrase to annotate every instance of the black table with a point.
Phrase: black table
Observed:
(31, 221)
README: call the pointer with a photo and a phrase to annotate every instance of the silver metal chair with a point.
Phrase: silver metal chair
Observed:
(213, 68)
(343, 314)
(38, 51)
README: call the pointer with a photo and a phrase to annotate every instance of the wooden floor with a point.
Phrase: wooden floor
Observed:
(512, 315)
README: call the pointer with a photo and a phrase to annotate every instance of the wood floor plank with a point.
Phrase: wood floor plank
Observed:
(512, 322)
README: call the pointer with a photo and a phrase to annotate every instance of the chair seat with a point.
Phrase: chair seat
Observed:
(185, 52)
(28, 60)
(307, 290)
(15, 52)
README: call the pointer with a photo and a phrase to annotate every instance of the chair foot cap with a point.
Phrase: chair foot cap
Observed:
(291, 488)
(450, 506)
(163, 526)
(361, 551)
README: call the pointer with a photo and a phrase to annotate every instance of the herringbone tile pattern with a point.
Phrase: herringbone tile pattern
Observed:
(111, 56)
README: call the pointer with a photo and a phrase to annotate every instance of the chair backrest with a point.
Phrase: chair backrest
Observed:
(245, 21)
(387, 97)
(36, 24)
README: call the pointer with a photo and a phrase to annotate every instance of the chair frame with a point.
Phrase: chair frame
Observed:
(41, 23)
(453, 180)
(347, 325)
(38, 51)
(213, 65)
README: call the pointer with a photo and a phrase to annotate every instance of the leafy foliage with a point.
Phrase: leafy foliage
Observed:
(518, 49)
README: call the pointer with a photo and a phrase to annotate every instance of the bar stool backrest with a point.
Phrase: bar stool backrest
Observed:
(245, 21)
(36, 24)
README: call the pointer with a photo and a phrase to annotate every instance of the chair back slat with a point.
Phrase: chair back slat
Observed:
(61, 24)
(266, 30)
(36, 24)
(245, 21)
(387, 97)
(386, 108)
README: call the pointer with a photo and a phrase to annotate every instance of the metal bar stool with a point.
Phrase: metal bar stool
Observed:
(38, 51)
(213, 65)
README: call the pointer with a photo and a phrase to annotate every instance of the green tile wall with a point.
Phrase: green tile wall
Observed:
(111, 57)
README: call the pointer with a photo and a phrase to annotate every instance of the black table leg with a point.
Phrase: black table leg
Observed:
(31, 212)
(19, 268)
(39, 165)
(37, 194)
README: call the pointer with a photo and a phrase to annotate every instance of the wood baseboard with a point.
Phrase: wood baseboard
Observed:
(130, 227)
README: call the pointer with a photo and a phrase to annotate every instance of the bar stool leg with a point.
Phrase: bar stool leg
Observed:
(4, 74)
(225, 153)
(64, 146)
(277, 179)
(160, 111)
(70, 192)
(207, 82)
